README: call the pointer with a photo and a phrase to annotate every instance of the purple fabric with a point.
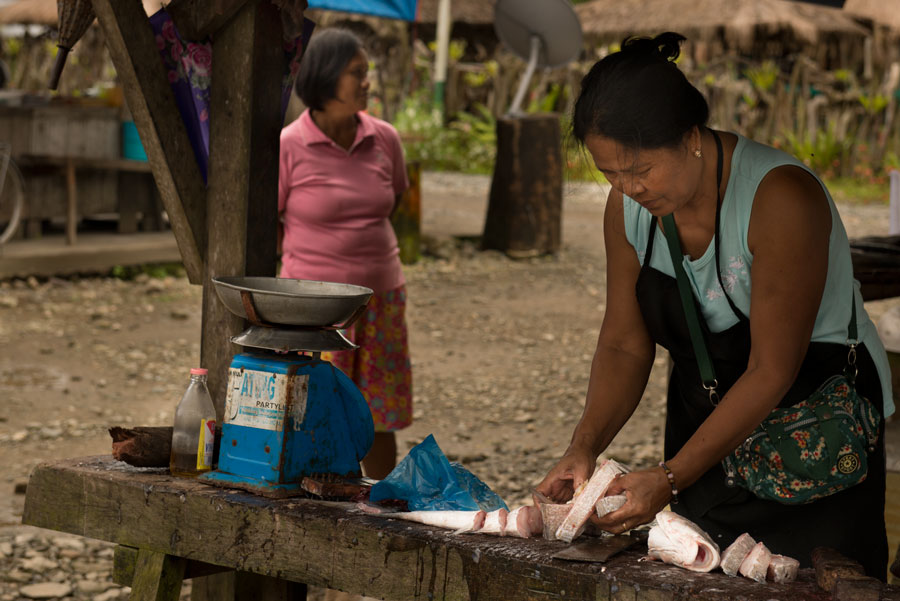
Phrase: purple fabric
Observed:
(189, 69)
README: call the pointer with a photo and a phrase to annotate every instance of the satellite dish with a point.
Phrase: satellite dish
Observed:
(545, 33)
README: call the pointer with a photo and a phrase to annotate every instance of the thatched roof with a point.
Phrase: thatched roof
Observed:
(43, 12)
(740, 20)
(880, 11)
(474, 12)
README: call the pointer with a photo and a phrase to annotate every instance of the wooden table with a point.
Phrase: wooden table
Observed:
(168, 529)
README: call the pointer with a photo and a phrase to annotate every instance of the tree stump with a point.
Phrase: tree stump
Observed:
(525, 205)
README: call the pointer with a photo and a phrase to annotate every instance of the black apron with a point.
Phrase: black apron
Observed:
(851, 521)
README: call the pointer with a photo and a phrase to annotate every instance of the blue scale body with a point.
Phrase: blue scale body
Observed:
(286, 418)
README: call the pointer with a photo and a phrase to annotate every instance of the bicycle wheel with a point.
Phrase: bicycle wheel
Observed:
(12, 199)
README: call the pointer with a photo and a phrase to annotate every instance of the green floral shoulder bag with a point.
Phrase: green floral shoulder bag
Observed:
(800, 453)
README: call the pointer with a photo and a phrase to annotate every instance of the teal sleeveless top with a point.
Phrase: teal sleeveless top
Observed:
(750, 163)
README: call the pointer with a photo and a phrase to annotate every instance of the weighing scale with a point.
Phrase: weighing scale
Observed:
(289, 415)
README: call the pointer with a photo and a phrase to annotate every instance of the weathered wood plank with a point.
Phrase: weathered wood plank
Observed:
(157, 577)
(55, 500)
(328, 544)
(124, 562)
(242, 209)
(196, 19)
(132, 48)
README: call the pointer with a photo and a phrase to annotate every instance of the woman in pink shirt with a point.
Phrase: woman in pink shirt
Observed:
(341, 176)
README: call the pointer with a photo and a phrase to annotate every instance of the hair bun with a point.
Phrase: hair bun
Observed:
(666, 46)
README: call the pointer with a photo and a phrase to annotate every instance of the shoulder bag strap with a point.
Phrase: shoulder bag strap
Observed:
(707, 372)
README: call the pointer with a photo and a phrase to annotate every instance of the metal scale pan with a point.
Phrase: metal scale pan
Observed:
(293, 315)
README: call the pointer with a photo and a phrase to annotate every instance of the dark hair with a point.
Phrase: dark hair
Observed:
(638, 96)
(323, 61)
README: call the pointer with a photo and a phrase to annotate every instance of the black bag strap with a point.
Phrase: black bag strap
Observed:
(707, 371)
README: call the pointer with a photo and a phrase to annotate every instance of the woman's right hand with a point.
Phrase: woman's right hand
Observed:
(575, 468)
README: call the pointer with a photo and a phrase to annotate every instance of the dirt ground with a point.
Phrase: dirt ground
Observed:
(500, 349)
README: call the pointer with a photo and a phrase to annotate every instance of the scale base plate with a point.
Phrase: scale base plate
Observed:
(271, 490)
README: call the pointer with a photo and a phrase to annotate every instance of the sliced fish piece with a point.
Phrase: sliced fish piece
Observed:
(584, 504)
(735, 554)
(460, 521)
(681, 542)
(524, 522)
(756, 564)
(609, 504)
(782, 568)
(552, 517)
(495, 522)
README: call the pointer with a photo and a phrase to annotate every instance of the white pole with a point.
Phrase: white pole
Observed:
(894, 228)
(441, 52)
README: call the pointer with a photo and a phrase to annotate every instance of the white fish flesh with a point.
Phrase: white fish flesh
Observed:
(756, 564)
(459, 521)
(782, 569)
(494, 522)
(609, 504)
(584, 504)
(524, 522)
(735, 554)
(552, 517)
(680, 542)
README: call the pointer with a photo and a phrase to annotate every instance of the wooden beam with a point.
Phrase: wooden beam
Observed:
(242, 208)
(197, 19)
(132, 46)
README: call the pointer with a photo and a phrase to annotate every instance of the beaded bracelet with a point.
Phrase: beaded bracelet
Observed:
(671, 478)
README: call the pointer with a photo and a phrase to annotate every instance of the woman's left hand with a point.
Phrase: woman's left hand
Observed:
(648, 492)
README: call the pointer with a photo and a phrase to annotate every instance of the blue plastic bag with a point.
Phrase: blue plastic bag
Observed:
(426, 480)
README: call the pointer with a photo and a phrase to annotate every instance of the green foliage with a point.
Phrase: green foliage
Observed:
(858, 191)
(891, 162)
(467, 143)
(843, 75)
(12, 47)
(455, 49)
(156, 271)
(822, 152)
(549, 101)
(874, 104)
(764, 76)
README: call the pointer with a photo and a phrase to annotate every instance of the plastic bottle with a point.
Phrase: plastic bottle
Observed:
(194, 434)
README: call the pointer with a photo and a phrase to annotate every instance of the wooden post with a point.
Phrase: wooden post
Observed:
(407, 217)
(71, 202)
(524, 211)
(157, 577)
(242, 207)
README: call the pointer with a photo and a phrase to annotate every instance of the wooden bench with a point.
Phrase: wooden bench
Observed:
(168, 529)
(128, 201)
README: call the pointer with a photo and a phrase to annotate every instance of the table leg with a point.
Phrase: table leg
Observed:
(71, 202)
(157, 577)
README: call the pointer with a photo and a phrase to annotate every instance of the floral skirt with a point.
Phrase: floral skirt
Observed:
(380, 367)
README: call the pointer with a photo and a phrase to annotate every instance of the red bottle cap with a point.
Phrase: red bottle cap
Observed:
(199, 371)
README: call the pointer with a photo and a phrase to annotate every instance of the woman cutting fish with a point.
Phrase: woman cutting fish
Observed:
(768, 266)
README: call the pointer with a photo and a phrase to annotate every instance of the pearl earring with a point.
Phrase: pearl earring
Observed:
(698, 154)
